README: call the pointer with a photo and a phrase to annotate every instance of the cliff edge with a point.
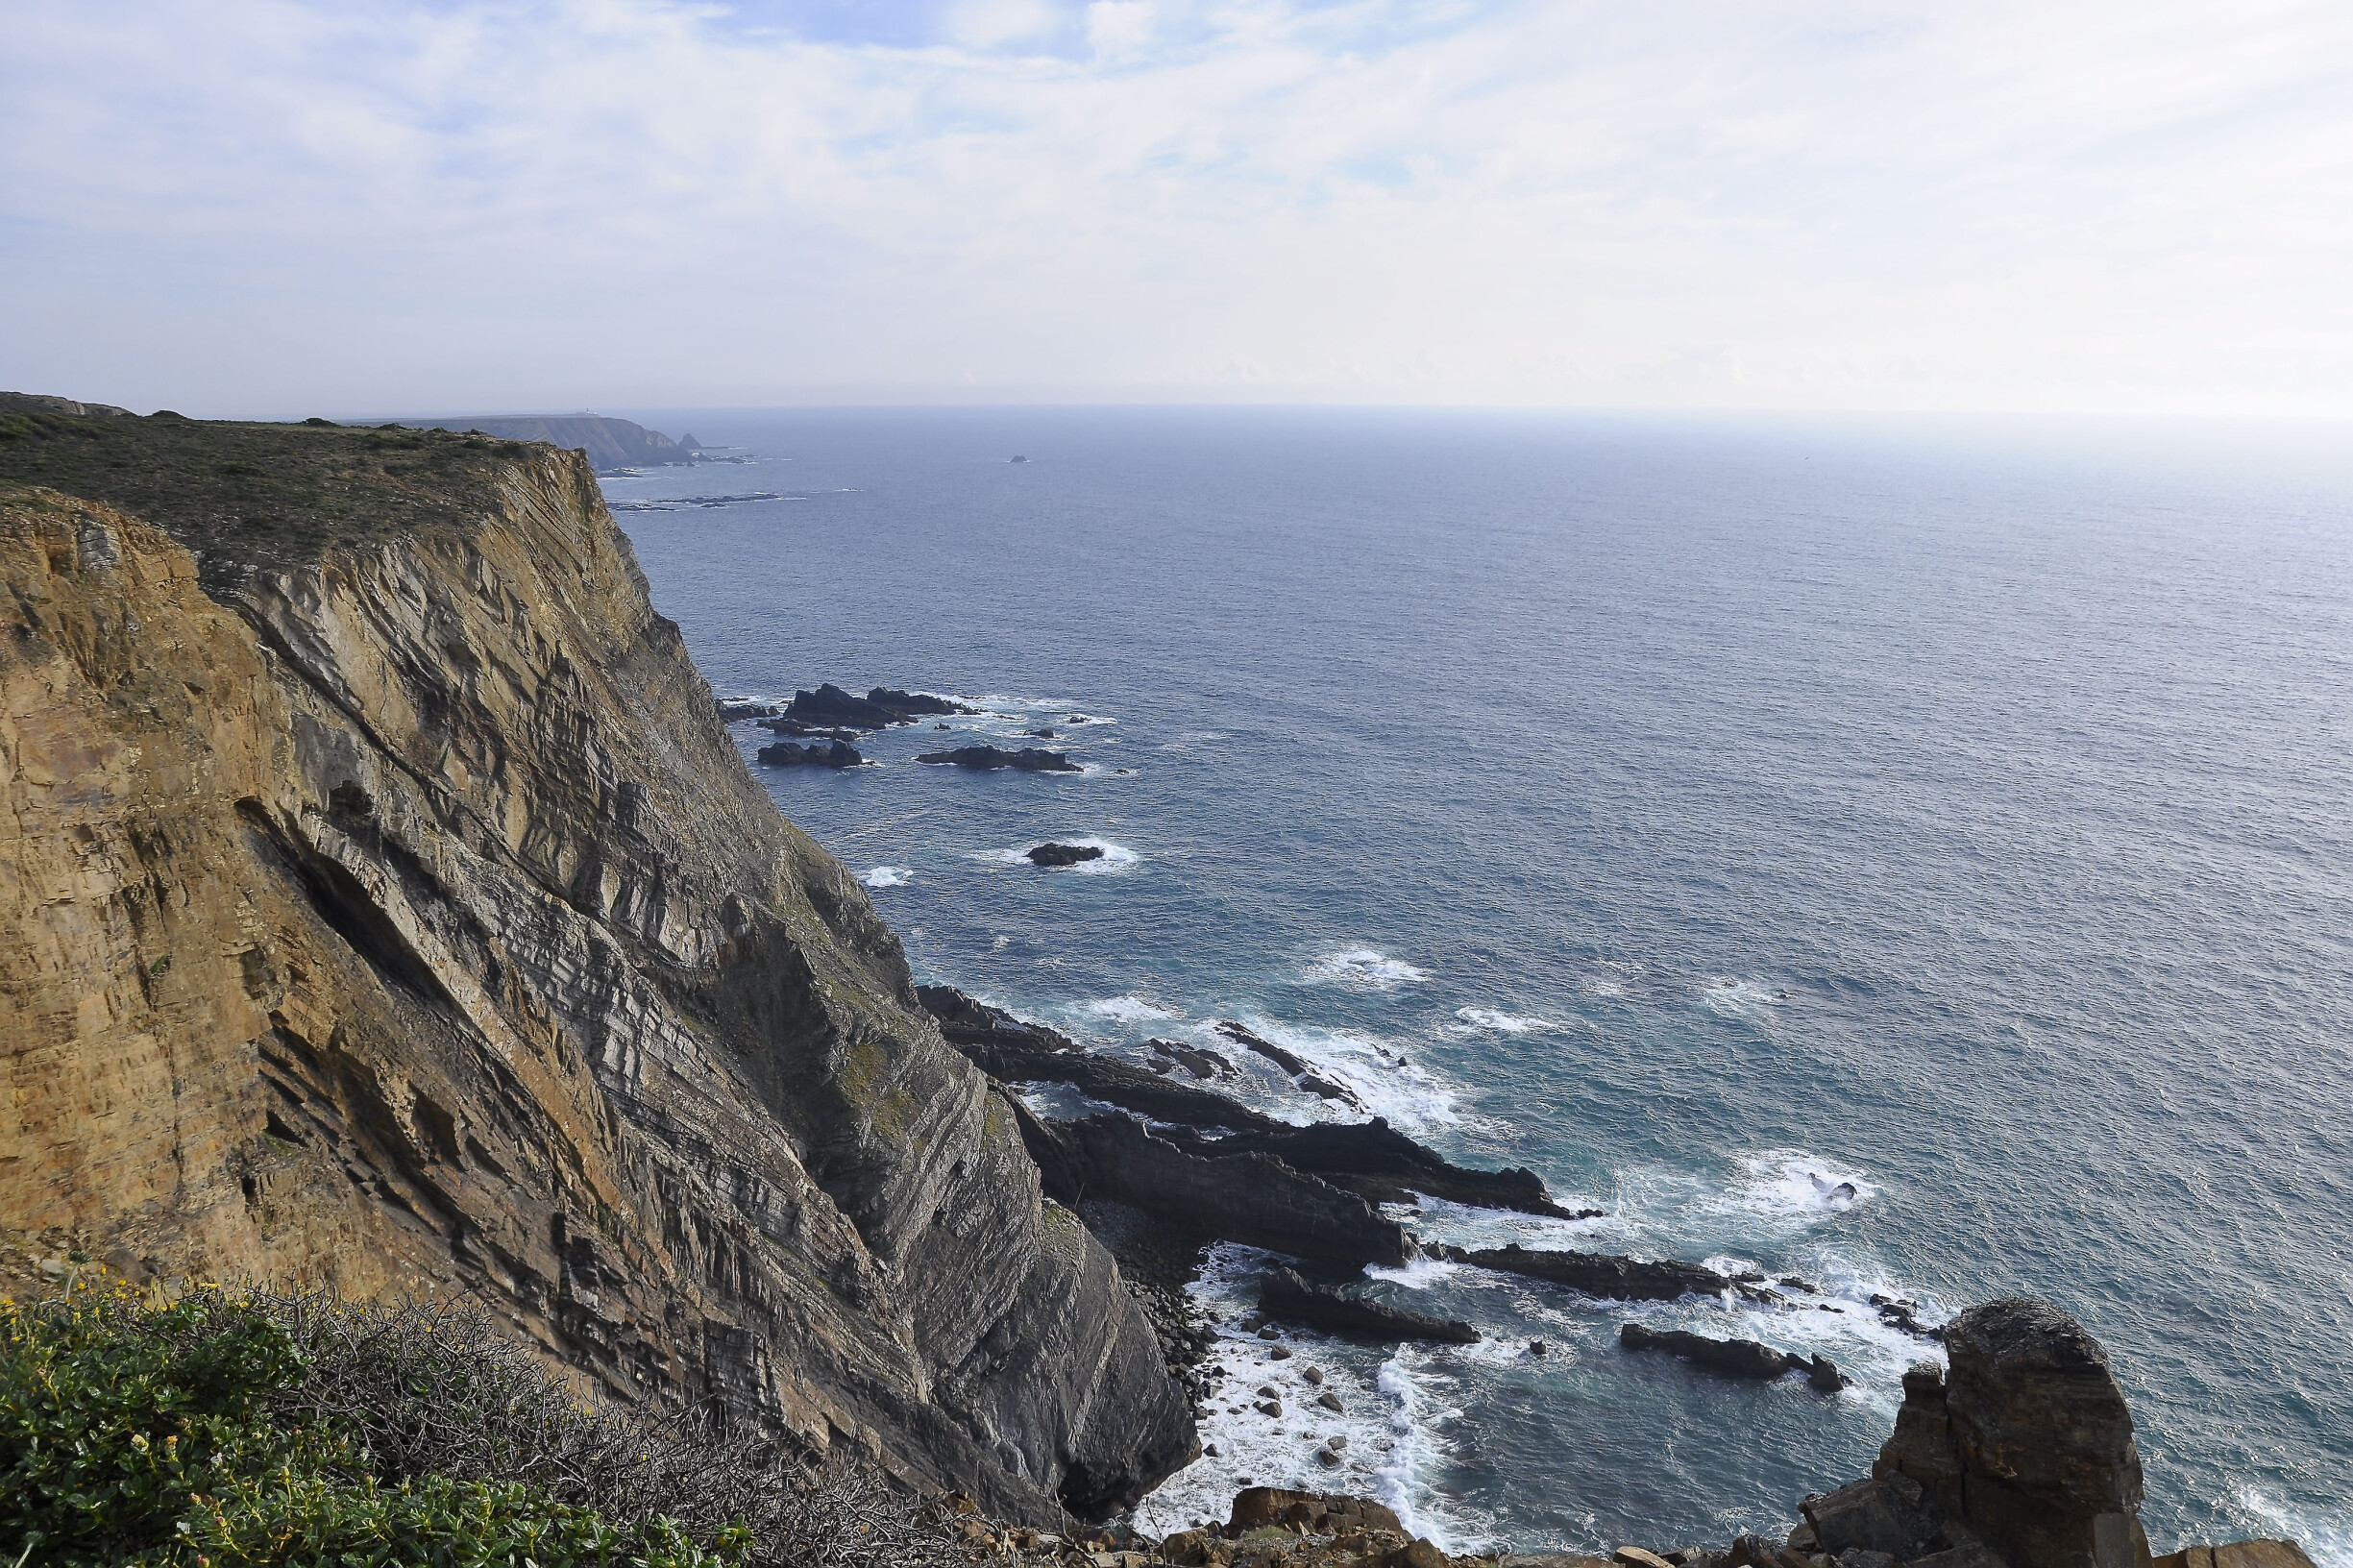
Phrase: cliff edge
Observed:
(382, 903)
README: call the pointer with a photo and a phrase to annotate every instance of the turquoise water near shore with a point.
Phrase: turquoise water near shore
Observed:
(1687, 809)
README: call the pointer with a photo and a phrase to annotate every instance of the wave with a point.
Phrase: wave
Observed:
(1385, 1416)
(1131, 1010)
(1794, 1189)
(1460, 1225)
(2326, 1539)
(1475, 1020)
(1362, 969)
(887, 876)
(1386, 1083)
(1730, 997)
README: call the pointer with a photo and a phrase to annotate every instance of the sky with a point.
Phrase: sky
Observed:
(280, 208)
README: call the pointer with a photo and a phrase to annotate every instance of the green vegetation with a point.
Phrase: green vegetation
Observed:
(241, 495)
(235, 1429)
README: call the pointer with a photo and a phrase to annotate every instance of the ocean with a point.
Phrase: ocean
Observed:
(1703, 812)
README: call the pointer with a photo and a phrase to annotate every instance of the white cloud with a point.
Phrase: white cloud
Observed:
(2007, 205)
(1118, 28)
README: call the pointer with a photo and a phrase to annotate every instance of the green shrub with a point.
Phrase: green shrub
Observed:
(237, 1429)
(182, 1433)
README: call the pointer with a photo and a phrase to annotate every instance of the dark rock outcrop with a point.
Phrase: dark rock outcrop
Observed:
(878, 709)
(2029, 1443)
(1249, 1198)
(1027, 760)
(786, 754)
(732, 712)
(1201, 1063)
(2023, 1458)
(1064, 854)
(1386, 1165)
(1737, 1358)
(1283, 1293)
(1599, 1273)
(1371, 1159)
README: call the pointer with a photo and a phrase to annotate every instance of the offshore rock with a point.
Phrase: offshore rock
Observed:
(786, 754)
(405, 918)
(1027, 760)
(1063, 854)
(1739, 1358)
(878, 709)
(1283, 1295)
(1597, 1273)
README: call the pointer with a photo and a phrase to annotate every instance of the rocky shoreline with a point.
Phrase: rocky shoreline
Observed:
(2021, 1456)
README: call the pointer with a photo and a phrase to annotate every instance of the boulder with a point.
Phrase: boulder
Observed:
(1063, 854)
(2238, 1554)
(1254, 1507)
(1739, 1358)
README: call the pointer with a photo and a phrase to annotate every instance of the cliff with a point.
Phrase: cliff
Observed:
(609, 443)
(381, 901)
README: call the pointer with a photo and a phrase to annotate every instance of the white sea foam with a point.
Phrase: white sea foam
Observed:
(1131, 1010)
(888, 876)
(1385, 1448)
(1419, 1274)
(1475, 1020)
(1460, 1225)
(1794, 1189)
(1362, 969)
(2326, 1538)
(1732, 997)
(1060, 1102)
(1385, 1081)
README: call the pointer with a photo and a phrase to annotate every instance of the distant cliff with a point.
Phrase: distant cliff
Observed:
(610, 442)
(382, 900)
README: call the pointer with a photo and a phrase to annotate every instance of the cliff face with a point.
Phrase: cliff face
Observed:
(403, 918)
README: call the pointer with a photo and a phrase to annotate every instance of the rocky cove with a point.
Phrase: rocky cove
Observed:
(389, 905)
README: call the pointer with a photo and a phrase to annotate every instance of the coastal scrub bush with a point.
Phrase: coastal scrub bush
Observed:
(227, 1429)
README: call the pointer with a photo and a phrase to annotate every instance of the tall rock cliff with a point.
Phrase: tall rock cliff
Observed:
(381, 901)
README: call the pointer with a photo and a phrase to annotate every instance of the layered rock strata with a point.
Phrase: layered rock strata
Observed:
(398, 914)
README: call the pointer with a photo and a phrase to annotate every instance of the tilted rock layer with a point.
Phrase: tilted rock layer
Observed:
(404, 919)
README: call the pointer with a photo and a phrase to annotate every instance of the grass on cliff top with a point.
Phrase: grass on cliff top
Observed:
(245, 495)
(235, 1428)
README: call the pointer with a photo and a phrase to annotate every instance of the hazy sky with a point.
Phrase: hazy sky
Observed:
(275, 207)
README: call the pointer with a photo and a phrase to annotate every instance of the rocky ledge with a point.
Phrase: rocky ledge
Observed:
(1028, 760)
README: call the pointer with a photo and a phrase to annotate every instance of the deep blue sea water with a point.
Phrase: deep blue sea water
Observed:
(1685, 808)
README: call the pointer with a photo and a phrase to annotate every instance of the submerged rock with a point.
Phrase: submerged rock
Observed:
(1063, 854)
(1027, 760)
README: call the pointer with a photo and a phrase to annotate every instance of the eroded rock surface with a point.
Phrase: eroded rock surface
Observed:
(405, 918)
